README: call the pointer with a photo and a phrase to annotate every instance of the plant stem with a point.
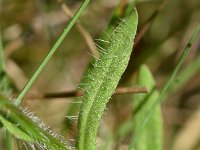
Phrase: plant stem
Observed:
(5, 86)
(27, 87)
(1, 54)
(78, 93)
(9, 141)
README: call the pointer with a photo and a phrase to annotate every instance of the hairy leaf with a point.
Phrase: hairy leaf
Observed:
(27, 129)
(103, 79)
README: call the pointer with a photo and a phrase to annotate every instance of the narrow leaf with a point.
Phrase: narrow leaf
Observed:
(103, 79)
(151, 136)
(9, 113)
(12, 128)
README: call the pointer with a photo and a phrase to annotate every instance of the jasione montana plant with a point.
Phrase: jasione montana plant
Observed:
(102, 80)
(100, 83)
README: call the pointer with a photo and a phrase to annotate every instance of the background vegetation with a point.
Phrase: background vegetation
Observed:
(30, 28)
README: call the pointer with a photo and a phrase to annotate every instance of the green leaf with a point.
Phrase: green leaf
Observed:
(151, 136)
(12, 128)
(102, 80)
(10, 116)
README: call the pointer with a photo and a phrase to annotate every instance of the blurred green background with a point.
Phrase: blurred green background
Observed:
(30, 28)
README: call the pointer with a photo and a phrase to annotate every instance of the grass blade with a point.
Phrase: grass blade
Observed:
(186, 74)
(103, 79)
(27, 87)
(164, 90)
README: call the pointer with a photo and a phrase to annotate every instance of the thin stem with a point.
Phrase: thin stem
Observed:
(78, 93)
(27, 87)
(9, 141)
(9, 137)
(1, 54)
(165, 88)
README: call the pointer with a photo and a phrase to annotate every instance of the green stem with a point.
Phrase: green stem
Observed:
(9, 141)
(4, 82)
(1, 54)
(27, 87)
(165, 88)
(9, 137)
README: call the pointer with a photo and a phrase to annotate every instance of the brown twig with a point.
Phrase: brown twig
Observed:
(83, 32)
(78, 93)
(130, 90)
(122, 7)
(12, 46)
